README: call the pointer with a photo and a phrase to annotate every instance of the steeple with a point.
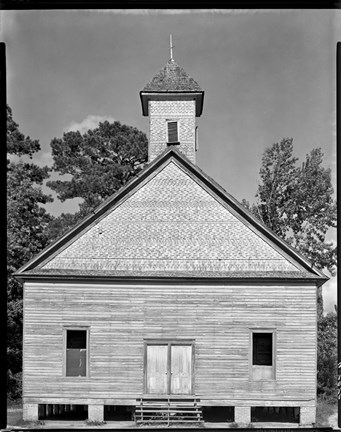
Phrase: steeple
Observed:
(172, 100)
(171, 47)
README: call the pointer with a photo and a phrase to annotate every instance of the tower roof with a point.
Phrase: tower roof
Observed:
(172, 83)
(172, 78)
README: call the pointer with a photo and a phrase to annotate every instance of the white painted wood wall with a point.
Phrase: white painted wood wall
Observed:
(218, 318)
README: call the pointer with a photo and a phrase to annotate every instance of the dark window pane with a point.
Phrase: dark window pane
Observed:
(262, 349)
(76, 339)
(173, 131)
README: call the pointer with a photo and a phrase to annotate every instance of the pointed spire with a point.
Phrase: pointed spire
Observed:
(171, 46)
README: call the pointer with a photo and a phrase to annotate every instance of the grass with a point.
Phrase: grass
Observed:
(32, 424)
(95, 423)
(15, 416)
(14, 413)
(325, 409)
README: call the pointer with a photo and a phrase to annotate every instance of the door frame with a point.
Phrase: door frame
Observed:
(168, 342)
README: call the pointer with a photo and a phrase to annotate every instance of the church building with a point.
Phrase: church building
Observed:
(170, 300)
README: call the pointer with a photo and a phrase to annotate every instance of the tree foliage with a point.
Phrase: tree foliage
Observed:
(61, 224)
(26, 233)
(296, 202)
(327, 356)
(99, 162)
(17, 143)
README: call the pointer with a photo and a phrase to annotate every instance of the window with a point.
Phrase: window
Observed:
(172, 132)
(262, 354)
(262, 349)
(76, 358)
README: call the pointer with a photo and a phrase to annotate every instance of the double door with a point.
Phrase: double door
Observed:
(169, 368)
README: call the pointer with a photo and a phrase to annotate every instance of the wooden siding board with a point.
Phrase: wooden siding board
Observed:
(121, 317)
(203, 402)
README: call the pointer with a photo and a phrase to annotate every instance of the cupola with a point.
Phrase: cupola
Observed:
(172, 100)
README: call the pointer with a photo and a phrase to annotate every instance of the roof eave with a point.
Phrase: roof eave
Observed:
(166, 279)
(198, 96)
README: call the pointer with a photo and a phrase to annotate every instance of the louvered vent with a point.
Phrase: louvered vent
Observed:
(173, 132)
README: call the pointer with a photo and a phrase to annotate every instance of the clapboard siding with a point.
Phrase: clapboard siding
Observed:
(217, 317)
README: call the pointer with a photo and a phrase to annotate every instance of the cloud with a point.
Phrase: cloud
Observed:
(44, 158)
(90, 122)
(8, 24)
(333, 117)
(332, 162)
(41, 158)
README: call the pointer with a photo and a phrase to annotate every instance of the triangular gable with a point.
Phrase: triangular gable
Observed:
(172, 220)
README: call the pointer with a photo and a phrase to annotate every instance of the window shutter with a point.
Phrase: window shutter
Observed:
(196, 139)
(173, 132)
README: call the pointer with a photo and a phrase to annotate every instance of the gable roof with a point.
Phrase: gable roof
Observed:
(172, 78)
(171, 221)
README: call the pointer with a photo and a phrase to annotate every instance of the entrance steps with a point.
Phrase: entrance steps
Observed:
(168, 411)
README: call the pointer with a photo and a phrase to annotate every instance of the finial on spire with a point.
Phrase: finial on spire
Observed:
(171, 47)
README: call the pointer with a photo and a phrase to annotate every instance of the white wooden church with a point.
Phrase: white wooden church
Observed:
(171, 296)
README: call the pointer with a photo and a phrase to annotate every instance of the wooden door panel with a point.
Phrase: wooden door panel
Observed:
(157, 368)
(181, 369)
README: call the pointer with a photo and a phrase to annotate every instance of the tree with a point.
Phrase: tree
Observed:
(327, 356)
(277, 182)
(297, 202)
(100, 161)
(26, 234)
(59, 225)
(315, 212)
(17, 143)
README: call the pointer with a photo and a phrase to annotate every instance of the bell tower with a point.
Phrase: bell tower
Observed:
(172, 100)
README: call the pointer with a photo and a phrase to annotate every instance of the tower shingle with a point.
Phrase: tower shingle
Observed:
(172, 78)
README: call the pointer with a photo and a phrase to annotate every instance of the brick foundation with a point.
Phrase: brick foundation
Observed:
(242, 415)
(307, 415)
(96, 413)
(30, 412)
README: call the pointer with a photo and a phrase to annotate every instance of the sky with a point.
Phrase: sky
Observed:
(267, 74)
